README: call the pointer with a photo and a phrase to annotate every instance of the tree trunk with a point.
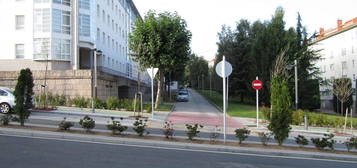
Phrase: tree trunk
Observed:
(344, 128)
(159, 90)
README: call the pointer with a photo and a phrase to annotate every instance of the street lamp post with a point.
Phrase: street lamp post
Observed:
(94, 82)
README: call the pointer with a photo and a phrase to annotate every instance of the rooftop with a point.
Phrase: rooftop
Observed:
(341, 27)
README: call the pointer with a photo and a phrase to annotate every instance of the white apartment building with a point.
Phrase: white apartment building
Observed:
(339, 57)
(63, 34)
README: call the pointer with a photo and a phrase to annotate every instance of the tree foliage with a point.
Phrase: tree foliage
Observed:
(161, 41)
(251, 48)
(280, 100)
(196, 69)
(23, 95)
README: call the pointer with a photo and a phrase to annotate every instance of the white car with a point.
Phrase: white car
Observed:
(182, 96)
(7, 100)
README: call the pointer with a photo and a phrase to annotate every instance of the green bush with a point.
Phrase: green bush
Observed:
(301, 140)
(140, 127)
(266, 112)
(65, 125)
(192, 130)
(99, 104)
(326, 141)
(168, 129)
(351, 143)
(116, 127)
(112, 103)
(80, 102)
(242, 134)
(147, 107)
(298, 117)
(5, 119)
(127, 104)
(264, 137)
(87, 123)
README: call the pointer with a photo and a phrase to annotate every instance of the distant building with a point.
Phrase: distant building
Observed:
(62, 35)
(339, 57)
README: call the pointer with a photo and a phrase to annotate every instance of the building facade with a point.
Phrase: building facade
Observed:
(61, 35)
(338, 48)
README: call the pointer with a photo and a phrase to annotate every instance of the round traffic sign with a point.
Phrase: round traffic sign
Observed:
(257, 84)
(228, 69)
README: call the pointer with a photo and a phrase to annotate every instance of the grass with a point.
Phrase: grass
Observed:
(249, 111)
(164, 107)
(234, 108)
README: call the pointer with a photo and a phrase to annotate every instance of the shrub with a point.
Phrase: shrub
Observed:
(80, 102)
(112, 103)
(301, 140)
(298, 117)
(140, 127)
(65, 125)
(326, 141)
(351, 143)
(192, 130)
(242, 134)
(99, 104)
(23, 95)
(264, 137)
(5, 119)
(116, 126)
(168, 129)
(214, 134)
(147, 107)
(266, 112)
(87, 123)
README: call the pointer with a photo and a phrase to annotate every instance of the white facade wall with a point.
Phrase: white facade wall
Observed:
(339, 59)
(114, 45)
(9, 36)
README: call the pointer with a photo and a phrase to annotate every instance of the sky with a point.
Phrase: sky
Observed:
(205, 17)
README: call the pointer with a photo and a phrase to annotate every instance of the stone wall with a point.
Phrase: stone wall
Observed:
(17, 64)
(74, 83)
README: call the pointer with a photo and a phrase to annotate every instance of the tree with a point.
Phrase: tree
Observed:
(23, 95)
(280, 100)
(343, 91)
(195, 69)
(161, 41)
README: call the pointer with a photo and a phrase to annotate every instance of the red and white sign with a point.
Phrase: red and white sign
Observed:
(257, 84)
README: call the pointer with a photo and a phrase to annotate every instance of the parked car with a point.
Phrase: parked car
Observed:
(7, 100)
(182, 96)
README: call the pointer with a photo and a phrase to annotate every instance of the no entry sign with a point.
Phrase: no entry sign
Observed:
(257, 84)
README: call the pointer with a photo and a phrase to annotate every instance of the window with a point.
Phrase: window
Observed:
(108, 17)
(42, 1)
(352, 50)
(113, 25)
(344, 65)
(84, 4)
(108, 41)
(112, 4)
(41, 48)
(61, 21)
(343, 52)
(98, 34)
(84, 25)
(354, 76)
(113, 44)
(62, 49)
(103, 38)
(3, 93)
(331, 67)
(98, 11)
(353, 63)
(64, 2)
(103, 14)
(116, 27)
(42, 20)
(19, 51)
(20, 22)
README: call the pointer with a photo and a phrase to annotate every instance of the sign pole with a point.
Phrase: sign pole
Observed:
(224, 99)
(257, 95)
(152, 93)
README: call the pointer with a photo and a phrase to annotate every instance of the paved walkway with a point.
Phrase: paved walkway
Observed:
(199, 110)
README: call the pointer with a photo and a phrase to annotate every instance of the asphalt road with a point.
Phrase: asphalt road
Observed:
(19, 152)
(199, 111)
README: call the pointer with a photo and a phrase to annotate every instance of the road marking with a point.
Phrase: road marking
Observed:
(180, 149)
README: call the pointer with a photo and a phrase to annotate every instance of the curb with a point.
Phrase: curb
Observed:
(176, 145)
